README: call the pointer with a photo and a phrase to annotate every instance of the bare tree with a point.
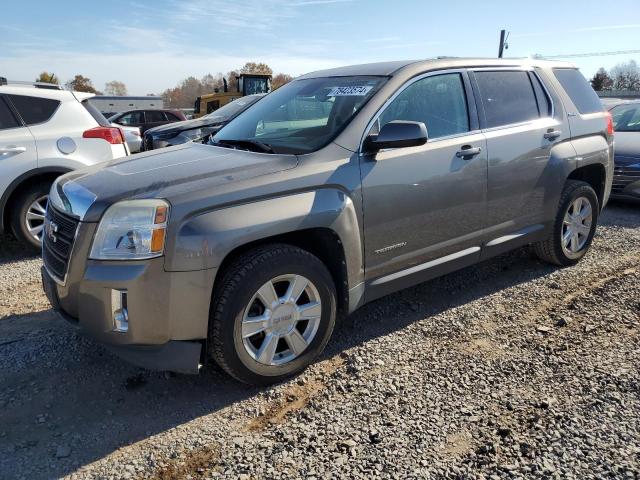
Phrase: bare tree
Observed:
(626, 76)
(114, 87)
(280, 79)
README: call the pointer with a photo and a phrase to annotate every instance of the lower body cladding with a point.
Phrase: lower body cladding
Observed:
(148, 316)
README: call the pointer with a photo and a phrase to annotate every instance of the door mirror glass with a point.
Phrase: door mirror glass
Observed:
(397, 134)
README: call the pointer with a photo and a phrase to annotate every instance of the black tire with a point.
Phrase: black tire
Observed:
(551, 250)
(232, 296)
(19, 209)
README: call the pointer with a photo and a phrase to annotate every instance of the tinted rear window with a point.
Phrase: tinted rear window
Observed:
(507, 97)
(579, 90)
(95, 113)
(7, 119)
(34, 110)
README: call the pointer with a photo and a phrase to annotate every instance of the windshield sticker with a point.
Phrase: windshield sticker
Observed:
(354, 91)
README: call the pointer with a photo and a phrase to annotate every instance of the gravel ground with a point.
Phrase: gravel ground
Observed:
(509, 369)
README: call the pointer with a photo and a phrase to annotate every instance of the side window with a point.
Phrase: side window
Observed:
(544, 103)
(34, 110)
(438, 101)
(507, 97)
(153, 116)
(7, 119)
(132, 118)
(579, 90)
(171, 117)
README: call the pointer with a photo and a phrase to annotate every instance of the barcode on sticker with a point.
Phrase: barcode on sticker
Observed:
(355, 91)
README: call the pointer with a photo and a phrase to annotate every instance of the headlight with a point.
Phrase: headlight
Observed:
(131, 230)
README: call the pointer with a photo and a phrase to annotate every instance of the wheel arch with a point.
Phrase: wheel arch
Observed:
(323, 222)
(37, 175)
(595, 175)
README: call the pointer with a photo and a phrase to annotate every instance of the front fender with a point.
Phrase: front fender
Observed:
(203, 241)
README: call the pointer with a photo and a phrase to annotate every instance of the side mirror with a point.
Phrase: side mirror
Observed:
(397, 134)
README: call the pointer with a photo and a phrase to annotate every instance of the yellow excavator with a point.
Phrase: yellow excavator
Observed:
(248, 84)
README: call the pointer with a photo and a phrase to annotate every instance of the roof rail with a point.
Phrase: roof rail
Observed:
(46, 86)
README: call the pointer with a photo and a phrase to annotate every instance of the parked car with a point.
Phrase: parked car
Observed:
(44, 133)
(338, 188)
(626, 178)
(132, 137)
(198, 129)
(146, 119)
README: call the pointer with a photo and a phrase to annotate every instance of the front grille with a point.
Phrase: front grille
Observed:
(57, 241)
(623, 176)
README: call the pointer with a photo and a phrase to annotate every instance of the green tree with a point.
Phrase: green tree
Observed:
(81, 84)
(46, 77)
(114, 87)
(601, 80)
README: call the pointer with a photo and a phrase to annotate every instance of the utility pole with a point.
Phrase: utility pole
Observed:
(501, 47)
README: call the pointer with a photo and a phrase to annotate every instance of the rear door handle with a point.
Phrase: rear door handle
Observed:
(13, 150)
(468, 151)
(552, 134)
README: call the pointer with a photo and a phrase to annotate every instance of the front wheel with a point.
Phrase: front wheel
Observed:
(272, 315)
(574, 225)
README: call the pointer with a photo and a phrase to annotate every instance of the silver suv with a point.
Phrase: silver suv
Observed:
(334, 190)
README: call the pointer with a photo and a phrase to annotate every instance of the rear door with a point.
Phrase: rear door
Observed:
(516, 116)
(18, 153)
(154, 118)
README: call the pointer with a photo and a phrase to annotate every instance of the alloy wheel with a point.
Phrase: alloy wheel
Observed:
(576, 226)
(281, 319)
(34, 218)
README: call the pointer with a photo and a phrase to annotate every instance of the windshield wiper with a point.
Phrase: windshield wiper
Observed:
(247, 143)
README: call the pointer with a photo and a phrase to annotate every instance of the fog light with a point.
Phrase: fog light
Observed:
(119, 311)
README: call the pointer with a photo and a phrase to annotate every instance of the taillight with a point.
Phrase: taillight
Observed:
(609, 123)
(112, 135)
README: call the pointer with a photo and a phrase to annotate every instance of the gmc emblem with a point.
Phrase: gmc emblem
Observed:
(50, 230)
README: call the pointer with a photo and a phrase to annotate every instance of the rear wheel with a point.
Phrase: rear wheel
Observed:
(272, 315)
(574, 226)
(27, 220)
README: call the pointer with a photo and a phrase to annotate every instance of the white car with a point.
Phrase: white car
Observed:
(45, 132)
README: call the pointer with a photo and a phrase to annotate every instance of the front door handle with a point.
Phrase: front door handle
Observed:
(468, 151)
(12, 149)
(552, 134)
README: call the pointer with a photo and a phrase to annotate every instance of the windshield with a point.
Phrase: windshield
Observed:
(302, 116)
(626, 118)
(233, 108)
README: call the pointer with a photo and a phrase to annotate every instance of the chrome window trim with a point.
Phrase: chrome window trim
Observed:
(406, 85)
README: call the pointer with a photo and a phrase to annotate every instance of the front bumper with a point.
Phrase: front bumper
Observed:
(167, 311)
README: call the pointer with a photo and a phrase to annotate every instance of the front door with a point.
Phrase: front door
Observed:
(425, 206)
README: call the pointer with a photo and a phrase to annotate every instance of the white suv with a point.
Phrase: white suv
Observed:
(45, 132)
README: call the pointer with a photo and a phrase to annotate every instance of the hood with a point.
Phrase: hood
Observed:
(178, 127)
(165, 173)
(627, 148)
